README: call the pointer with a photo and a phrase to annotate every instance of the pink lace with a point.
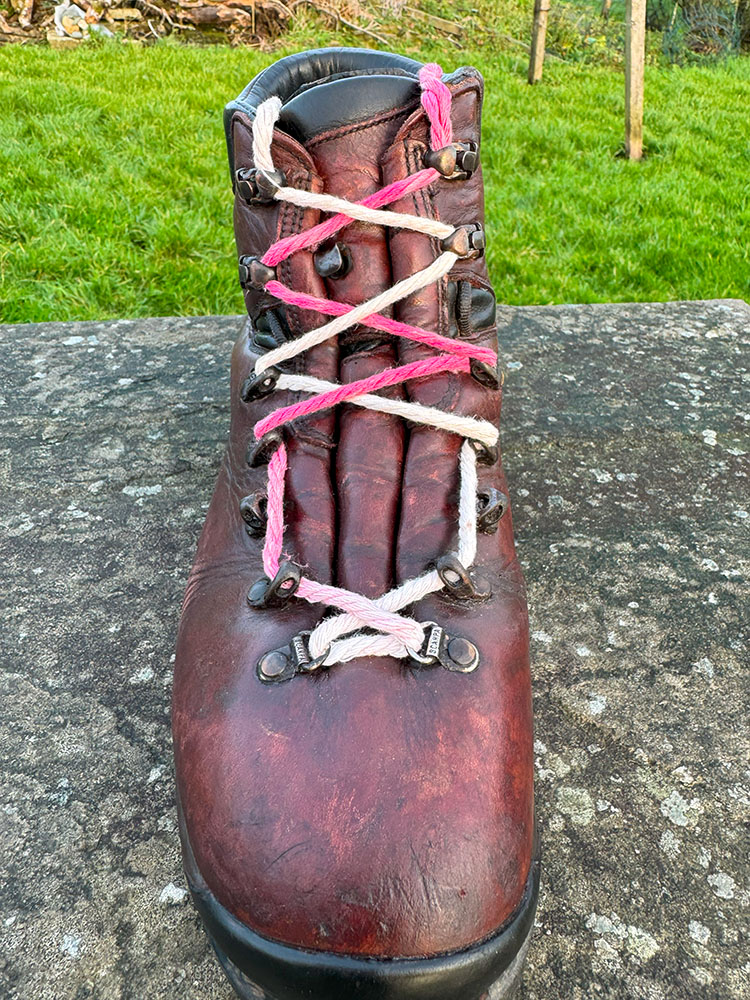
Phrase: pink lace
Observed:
(436, 100)
(455, 357)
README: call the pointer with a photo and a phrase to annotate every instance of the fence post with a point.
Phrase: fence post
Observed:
(538, 39)
(635, 58)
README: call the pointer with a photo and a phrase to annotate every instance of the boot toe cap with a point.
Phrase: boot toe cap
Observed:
(385, 833)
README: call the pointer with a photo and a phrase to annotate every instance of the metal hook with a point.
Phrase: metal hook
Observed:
(456, 162)
(254, 512)
(458, 580)
(266, 593)
(486, 454)
(491, 505)
(260, 384)
(259, 452)
(452, 652)
(283, 663)
(255, 184)
(254, 273)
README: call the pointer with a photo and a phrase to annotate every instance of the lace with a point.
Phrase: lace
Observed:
(341, 637)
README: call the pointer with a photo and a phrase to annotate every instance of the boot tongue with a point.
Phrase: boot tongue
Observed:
(333, 104)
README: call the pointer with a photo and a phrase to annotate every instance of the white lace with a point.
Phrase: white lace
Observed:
(340, 637)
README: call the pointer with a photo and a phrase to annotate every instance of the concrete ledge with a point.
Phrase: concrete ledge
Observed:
(625, 436)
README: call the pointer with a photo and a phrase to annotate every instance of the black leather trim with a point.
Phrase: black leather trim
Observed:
(345, 101)
(287, 973)
(483, 309)
(293, 74)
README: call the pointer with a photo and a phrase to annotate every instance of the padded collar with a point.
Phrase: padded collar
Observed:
(378, 81)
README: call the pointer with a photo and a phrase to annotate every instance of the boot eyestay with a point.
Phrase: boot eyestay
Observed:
(259, 452)
(334, 262)
(467, 242)
(256, 386)
(254, 273)
(256, 186)
(254, 512)
(456, 162)
(266, 593)
(283, 663)
(452, 652)
(458, 581)
(491, 505)
(464, 242)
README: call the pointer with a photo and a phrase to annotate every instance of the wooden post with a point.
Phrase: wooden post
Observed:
(635, 58)
(538, 39)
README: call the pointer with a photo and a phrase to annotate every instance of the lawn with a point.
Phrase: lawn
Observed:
(115, 198)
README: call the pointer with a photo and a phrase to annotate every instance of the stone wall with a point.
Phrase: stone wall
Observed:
(625, 436)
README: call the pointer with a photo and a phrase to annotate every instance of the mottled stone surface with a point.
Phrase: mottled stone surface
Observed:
(625, 436)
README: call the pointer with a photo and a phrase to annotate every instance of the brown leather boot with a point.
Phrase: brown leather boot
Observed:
(352, 705)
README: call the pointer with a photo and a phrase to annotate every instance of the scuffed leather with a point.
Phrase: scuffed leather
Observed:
(374, 809)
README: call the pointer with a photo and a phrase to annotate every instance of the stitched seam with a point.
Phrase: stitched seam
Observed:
(357, 127)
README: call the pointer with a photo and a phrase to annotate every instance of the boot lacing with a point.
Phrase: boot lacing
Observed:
(340, 638)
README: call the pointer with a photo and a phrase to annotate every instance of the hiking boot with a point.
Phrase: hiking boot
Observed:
(352, 704)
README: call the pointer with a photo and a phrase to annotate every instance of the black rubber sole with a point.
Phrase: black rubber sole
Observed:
(261, 969)
(502, 989)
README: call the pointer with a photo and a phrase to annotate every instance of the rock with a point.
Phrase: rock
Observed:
(56, 41)
(123, 14)
(630, 528)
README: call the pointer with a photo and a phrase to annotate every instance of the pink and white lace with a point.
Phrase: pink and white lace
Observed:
(342, 637)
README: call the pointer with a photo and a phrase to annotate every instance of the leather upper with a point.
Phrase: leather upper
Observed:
(375, 809)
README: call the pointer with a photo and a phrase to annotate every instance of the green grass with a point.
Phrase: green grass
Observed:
(115, 198)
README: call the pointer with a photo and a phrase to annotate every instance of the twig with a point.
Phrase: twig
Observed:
(441, 23)
(364, 31)
(160, 11)
(11, 30)
(338, 19)
(174, 25)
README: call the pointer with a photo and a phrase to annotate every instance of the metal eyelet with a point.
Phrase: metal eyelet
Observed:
(266, 593)
(486, 454)
(254, 273)
(452, 652)
(259, 384)
(485, 374)
(259, 452)
(466, 242)
(283, 663)
(255, 185)
(458, 581)
(491, 505)
(427, 654)
(456, 162)
(254, 512)
(276, 665)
